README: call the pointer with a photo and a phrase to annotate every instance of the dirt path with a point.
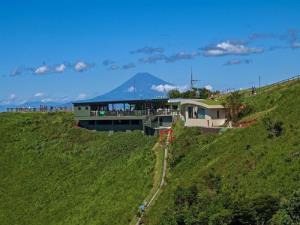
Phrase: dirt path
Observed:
(162, 181)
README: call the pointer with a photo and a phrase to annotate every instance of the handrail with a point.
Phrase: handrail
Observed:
(134, 113)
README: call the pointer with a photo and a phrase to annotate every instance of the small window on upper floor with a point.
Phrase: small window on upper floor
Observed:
(86, 108)
(79, 108)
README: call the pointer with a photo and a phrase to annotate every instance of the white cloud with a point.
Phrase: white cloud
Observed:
(114, 67)
(41, 70)
(60, 68)
(39, 94)
(131, 89)
(182, 56)
(148, 50)
(153, 58)
(208, 87)
(45, 100)
(16, 71)
(82, 96)
(296, 45)
(168, 87)
(237, 62)
(81, 66)
(128, 66)
(12, 97)
(229, 48)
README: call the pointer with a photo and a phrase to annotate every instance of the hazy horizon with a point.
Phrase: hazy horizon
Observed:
(66, 50)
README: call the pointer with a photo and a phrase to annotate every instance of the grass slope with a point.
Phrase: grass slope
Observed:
(53, 173)
(239, 164)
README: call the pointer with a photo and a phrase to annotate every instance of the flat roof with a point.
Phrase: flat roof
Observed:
(199, 102)
(130, 101)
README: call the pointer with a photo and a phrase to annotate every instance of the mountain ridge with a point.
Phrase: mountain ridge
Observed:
(140, 86)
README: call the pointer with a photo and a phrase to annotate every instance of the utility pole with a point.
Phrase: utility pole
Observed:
(192, 79)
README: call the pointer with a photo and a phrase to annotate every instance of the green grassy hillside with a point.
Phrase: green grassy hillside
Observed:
(54, 173)
(243, 176)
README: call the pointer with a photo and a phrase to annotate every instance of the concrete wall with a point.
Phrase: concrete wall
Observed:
(165, 121)
(112, 125)
(210, 119)
(82, 110)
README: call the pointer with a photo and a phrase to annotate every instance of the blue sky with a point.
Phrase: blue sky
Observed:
(65, 50)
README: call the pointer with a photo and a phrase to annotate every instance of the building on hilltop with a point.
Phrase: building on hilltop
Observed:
(200, 113)
(148, 115)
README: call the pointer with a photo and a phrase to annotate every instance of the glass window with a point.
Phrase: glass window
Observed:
(92, 122)
(135, 122)
(201, 113)
(104, 122)
(190, 112)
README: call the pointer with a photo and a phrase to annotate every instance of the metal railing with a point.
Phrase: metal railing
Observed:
(134, 113)
(265, 87)
(39, 109)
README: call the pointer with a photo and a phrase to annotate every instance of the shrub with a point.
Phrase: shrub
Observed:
(281, 218)
(247, 110)
(274, 128)
(192, 195)
(213, 181)
(293, 207)
(223, 217)
(264, 207)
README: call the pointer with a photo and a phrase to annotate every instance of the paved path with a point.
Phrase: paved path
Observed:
(163, 178)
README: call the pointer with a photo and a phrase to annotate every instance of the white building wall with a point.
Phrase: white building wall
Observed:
(211, 119)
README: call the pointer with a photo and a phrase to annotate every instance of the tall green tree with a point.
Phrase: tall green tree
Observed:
(233, 104)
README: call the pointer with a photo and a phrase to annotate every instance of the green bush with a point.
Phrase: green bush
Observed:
(281, 218)
(223, 217)
(247, 110)
(274, 128)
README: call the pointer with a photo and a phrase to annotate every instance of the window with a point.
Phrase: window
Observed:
(104, 122)
(201, 113)
(92, 122)
(190, 112)
(135, 122)
(124, 122)
(79, 108)
(121, 122)
(218, 114)
(86, 108)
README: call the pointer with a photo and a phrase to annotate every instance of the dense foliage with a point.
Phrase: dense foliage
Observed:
(202, 93)
(233, 104)
(243, 176)
(54, 173)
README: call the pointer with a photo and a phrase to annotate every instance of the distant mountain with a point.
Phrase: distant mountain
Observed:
(140, 86)
(35, 104)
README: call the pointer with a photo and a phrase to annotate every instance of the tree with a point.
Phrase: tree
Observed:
(274, 128)
(202, 93)
(233, 104)
(174, 93)
(264, 207)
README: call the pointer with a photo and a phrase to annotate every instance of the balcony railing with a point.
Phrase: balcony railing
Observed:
(134, 113)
